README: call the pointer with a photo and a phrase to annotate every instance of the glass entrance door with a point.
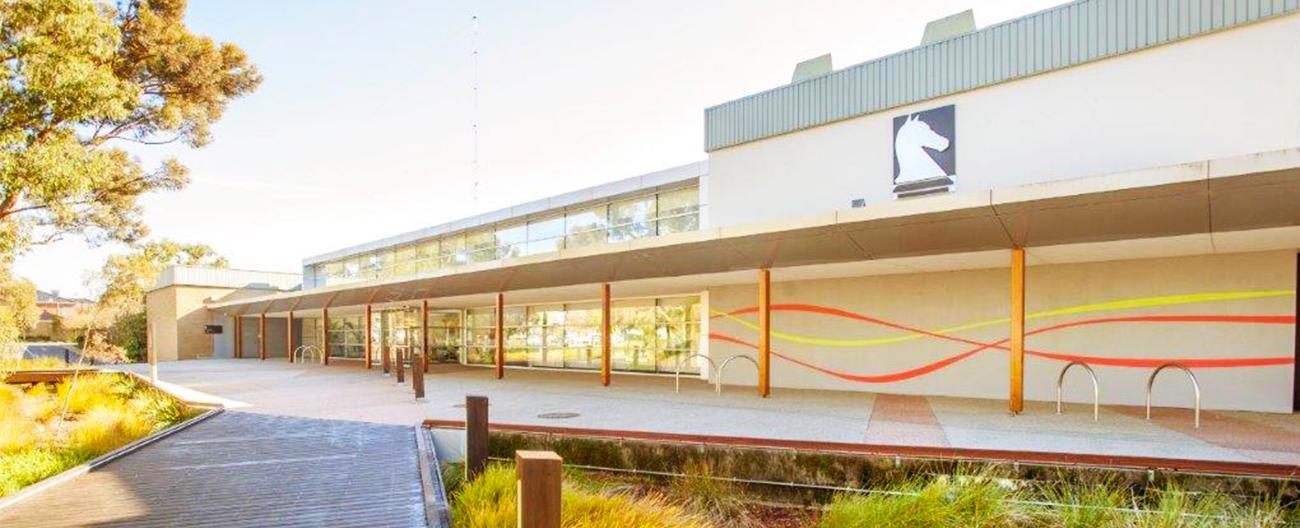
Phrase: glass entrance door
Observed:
(399, 334)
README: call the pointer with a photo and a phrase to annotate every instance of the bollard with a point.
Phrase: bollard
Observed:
(538, 482)
(386, 359)
(476, 435)
(398, 364)
(417, 376)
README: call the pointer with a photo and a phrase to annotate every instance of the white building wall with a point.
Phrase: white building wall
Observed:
(1233, 308)
(1230, 93)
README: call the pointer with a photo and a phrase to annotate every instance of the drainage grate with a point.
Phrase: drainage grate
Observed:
(558, 415)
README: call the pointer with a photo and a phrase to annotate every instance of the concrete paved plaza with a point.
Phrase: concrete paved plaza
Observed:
(648, 403)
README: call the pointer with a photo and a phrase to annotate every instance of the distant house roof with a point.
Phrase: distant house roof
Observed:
(44, 297)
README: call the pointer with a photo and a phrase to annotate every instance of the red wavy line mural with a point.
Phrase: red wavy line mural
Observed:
(1001, 344)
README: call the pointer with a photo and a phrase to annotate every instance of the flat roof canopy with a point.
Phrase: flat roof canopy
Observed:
(1252, 192)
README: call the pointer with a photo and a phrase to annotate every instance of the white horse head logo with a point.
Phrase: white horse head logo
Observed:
(914, 164)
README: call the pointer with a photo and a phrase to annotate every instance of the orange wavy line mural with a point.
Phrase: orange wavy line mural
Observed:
(979, 346)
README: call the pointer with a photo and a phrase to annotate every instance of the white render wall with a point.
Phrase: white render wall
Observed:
(1230, 93)
(1213, 286)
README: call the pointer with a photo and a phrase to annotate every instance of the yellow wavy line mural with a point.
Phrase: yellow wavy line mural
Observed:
(1122, 304)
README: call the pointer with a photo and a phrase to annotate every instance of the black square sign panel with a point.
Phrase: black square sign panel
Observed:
(925, 151)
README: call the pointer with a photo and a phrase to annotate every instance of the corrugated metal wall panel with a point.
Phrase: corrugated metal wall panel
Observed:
(1060, 37)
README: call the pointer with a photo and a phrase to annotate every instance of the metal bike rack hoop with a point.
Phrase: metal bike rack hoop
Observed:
(677, 375)
(1196, 388)
(1096, 388)
(302, 352)
(723, 366)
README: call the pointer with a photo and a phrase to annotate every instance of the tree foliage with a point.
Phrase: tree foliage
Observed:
(18, 310)
(127, 276)
(82, 78)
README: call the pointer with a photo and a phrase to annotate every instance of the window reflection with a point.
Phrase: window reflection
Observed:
(664, 212)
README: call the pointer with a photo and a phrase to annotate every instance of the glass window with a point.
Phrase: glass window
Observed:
(516, 329)
(679, 210)
(352, 267)
(404, 262)
(481, 245)
(426, 257)
(334, 269)
(446, 335)
(632, 335)
(677, 333)
(546, 235)
(452, 251)
(347, 339)
(585, 227)
(512, 241)
(582, 336)
(481, 339)
(546, 336)
(632, 218)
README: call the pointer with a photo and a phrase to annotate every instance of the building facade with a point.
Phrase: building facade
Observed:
(1111, 183)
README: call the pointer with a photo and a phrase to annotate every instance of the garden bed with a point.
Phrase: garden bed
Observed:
(49, 427)
(729, 486)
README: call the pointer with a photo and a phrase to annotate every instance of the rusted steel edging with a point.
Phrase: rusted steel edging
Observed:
(103, 460)
(1208, 467)
(437, 512)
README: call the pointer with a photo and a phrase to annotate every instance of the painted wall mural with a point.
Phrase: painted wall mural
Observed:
(1230, 318)
(948, 334)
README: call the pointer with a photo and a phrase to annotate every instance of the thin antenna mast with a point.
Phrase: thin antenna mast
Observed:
(474, 162)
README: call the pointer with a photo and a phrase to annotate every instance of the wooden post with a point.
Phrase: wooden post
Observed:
(1016, 401)
(476, 435)
(501, 336)
(370, 361)
(538, 474)
(325, 335)
(424, 341)
(288, 336)
(238, 321)
(261, 336)
(764, 332)
(605, 324)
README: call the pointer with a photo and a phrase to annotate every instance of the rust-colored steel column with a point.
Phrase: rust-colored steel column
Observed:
(325, 335)
(238, 321)
(500, 336)
(261, 336)
(288, 336)
(764, 332)
(424, 341)
(476, 435)
(399, 363)
(370, 360)
(420, 361)
(605, 324)
(1016, 400)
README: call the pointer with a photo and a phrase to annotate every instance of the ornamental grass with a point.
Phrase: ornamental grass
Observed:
(48, 428)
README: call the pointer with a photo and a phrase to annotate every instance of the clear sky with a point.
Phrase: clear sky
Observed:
(362, 127)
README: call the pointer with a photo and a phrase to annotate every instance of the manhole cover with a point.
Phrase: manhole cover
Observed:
(558, 415)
